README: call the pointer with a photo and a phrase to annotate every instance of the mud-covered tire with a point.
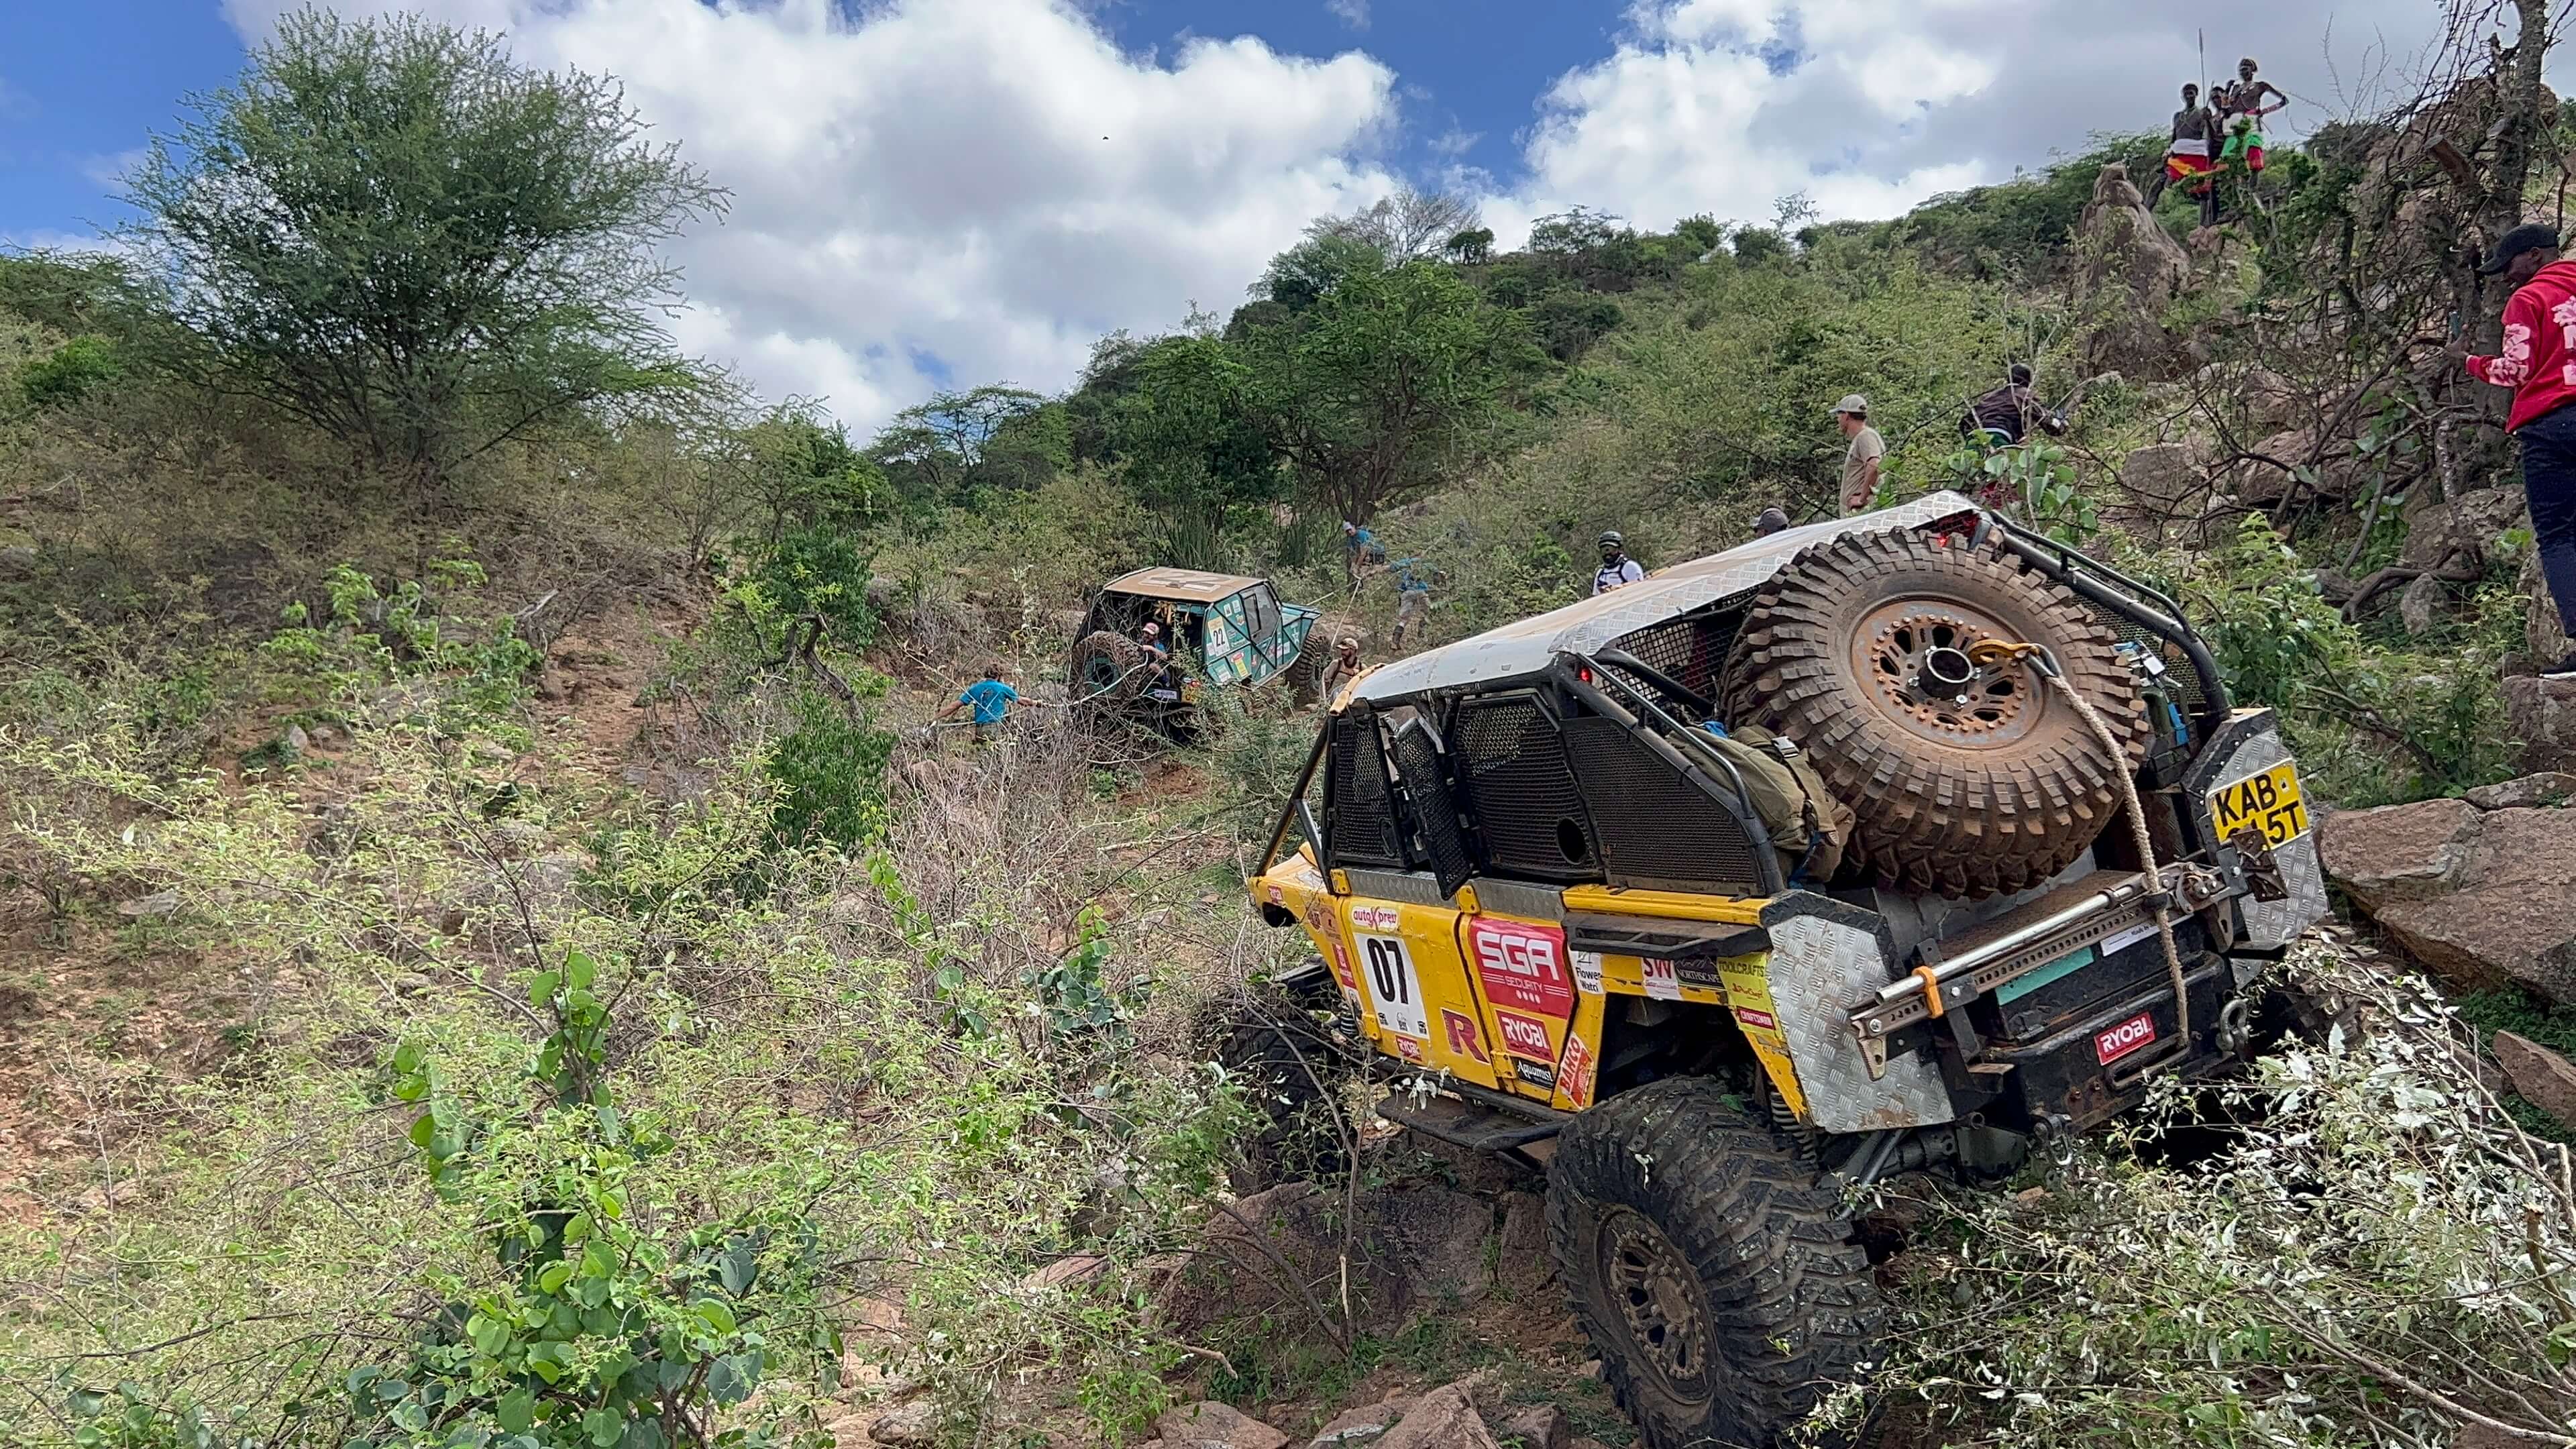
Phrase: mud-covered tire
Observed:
(1106, 668)
(1289, 1065)
(1720, 1281)
(1962, 800)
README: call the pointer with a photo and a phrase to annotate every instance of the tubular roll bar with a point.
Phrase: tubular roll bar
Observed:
(1296, 799)
(2084, 575)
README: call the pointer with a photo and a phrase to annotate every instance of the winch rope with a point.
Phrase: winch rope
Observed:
(1997, 651)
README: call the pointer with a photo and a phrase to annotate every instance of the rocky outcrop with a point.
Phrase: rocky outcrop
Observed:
(2478, 895)
(2542, 713)
(2133, 270)
(1211, 1425)
(2543, 1078)
(1444, 1418)
(2164, 476)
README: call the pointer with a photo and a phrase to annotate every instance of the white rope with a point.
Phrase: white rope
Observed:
(2146, 846)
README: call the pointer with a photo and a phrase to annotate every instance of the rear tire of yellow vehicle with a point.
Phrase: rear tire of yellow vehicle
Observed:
(1290, 1067)
(1980, 788)
(1721, 1282)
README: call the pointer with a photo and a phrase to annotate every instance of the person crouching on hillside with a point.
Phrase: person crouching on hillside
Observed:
(2538, 361)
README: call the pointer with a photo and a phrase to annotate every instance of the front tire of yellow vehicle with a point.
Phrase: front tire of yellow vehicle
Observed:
(1720, 1281)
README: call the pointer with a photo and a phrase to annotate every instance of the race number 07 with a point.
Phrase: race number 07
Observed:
(1395, 992)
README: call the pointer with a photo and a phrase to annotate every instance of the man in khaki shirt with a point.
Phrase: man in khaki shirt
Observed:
(1860, 460)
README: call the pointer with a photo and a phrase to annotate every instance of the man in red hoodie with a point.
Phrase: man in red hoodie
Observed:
(2538, 361)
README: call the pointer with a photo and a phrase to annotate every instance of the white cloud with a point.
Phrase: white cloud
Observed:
(989, 182)
(1353, 13)
(1870, 106)
(994, 183)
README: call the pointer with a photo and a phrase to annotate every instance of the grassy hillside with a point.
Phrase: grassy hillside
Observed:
(497, 945)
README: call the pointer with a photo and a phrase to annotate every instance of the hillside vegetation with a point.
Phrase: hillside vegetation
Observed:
(497, 948)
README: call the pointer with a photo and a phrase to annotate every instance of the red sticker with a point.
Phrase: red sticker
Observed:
(1523, 965)
(1752, 1017)
(1464, 1039)
(1574, 1074)
(1525, 1036)
(2128, 1036)
(1409, 1049)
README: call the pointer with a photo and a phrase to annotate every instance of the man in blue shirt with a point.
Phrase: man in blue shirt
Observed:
(992, 701)
(1412, 601)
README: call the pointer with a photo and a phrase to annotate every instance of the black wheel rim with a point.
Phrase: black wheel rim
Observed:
(1662, 1307)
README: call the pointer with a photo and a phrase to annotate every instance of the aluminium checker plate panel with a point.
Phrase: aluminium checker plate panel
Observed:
(1825, 958)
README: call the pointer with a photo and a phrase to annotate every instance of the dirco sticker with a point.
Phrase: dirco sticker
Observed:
(1523, 965)
(1525, 1036)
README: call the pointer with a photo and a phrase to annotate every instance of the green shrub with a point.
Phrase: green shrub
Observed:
(830, 771)
(70, 372)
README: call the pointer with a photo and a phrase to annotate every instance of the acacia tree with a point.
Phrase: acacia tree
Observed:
(393, 231)
(1193, 448)
(1383, 380)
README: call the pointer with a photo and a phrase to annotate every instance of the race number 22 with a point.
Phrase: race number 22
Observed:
(1395, 992)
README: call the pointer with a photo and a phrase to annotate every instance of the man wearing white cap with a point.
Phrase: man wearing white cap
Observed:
(1860, 460)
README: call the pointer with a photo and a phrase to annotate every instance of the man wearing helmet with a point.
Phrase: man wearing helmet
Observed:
(1617, 569)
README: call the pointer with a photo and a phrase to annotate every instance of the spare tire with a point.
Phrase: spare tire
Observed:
(1107, 668)
(1966, 781)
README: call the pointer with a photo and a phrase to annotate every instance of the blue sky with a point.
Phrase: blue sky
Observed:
(938, 191)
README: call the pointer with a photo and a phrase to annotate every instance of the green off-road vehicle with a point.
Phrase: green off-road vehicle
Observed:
(1907, 842)
(1221, 629)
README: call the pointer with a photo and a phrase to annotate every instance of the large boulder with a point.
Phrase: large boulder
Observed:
(2480, 897)
(2164, 476)
(2397, 852)
(2133, 270)
(1211, 1425)
(1444, 1418)
(2468, 524)
(2266, 479)
(2542, 713)
(2544, 1078)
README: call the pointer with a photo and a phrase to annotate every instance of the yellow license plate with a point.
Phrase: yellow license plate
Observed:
(2269, 802)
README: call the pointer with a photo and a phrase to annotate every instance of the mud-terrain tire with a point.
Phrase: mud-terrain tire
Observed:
(1106, 668)
(1720, 1281)
(1289, 1065)
(1988, 797)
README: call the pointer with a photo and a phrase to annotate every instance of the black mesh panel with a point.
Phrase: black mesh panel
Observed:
(1691, 651)
(2180, 677)
(1362, 827)
(1426, 786)
(1657, 827)
(1521, 791)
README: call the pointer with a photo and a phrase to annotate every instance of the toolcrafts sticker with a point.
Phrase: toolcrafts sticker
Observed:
(1523, 965)
(1587, 971)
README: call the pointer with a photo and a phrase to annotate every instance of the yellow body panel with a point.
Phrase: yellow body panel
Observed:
(1665, 905)
(1500, 1000)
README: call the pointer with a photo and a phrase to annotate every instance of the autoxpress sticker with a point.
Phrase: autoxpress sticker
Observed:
(1523, 965)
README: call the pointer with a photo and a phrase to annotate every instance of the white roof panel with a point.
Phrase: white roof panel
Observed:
(1588, 626)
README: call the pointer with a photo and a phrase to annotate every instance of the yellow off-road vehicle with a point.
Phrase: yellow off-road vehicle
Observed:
(1910, 841)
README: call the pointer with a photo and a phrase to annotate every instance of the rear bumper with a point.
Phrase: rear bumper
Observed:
(2065, 1074)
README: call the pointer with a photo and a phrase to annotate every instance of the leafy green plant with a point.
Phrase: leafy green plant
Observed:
(611, 1324)
(70, 372)
(369, 637)
(830, 771)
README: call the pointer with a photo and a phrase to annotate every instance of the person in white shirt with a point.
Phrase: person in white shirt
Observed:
(1617, 569)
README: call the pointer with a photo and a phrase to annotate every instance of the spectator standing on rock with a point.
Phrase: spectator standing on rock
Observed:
(2241, 112)
(1860, 459)
(1617, 570)
(2191, 156)
(2538, 361)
